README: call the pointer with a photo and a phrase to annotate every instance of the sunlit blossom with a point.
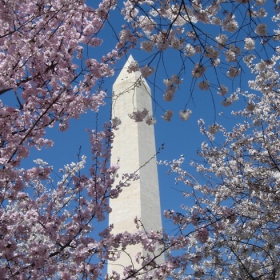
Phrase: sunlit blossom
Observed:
(249, 44)
(185, 114)
(231, 26)
(221, 39)
(198, 70)
(189, 50)
(233, 72)
(223, 90)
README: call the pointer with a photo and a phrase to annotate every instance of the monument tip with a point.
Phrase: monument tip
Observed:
(124, 73)
(128, 62)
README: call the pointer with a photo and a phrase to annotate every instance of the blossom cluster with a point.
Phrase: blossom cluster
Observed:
(167, 115)
(171, 87)
(240, 180)
(185, 114)
(139, 116)
(45, 222)
(170, 27)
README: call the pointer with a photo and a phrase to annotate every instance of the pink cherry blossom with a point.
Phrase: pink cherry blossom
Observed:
(229, 225)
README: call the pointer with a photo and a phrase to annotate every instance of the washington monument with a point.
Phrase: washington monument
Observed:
(134, 147)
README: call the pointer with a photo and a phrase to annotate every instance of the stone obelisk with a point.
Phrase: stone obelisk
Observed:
(134, 146)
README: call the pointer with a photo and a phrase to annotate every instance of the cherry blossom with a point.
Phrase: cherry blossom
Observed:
(116, 122)
(261, 29)
(139, 116)
(234, 222)
(198, 70)
(213, 129)
(48, 225)
(223, 90)
(204, 85)
(221, 39)
(150, 120)
(133, 67)
(210, 35)
(147, 46)
(167, 115)
(146, 71)
(249, 44)
(233, 72)
(185, 115)
(227, 102)
(189, 50)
